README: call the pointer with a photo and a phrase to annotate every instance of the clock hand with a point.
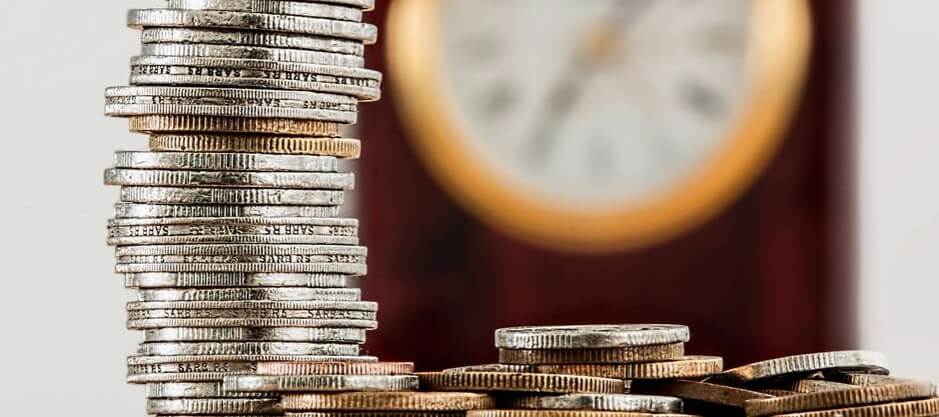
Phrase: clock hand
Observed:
(580, 71)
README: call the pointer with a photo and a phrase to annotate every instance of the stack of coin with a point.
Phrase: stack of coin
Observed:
(825, 384)
(228, 226)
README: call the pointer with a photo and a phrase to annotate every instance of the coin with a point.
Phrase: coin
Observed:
(841, 398)
(246, 348)
(270, 334)
(214, 19)
(518, 382)
(699, 391)
(494, 367)
(565, 413)
(910, 408)
(688, 367)
(251, 197)
(148, 211)
(335, 368)
(232, 279)
(296, 8)
(251, 294)
(245, 179)
(240, 52)
(600, 402)
(388, 401)
(651, 353)
(590, 336)
(175, 231)
(236, 250)
(207, 161)
(319, 383)
(157, 123)
(806, 386)
(213, 406)
(378, 414)
(799, 364)
(335, 147)
(290, 264)
(249, 38)
(229, 102)
(197, 390)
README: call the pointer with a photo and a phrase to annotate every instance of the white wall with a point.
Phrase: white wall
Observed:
(899, 182)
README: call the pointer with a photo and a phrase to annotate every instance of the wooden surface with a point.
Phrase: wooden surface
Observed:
(767, 277)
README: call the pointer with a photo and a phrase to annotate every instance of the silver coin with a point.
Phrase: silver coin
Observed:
(241, 73)
(226, 179)
(365, 5)
(214, 19)
(174, 231)
(159, 211)
(600, 402)
(320, 383)
(288, 264)
(255, 250)
(336, 317)
(157, 323)
(247, 38)
(232, 279)
(854, 360)
(264, 334)
(341, 306)
(251, 294)
(242, 103)
(204, 50)
(223, 363)
(198, 390)
(495, 367)
(228, 196)
(205, 161)
(246, 348)
(214, 406)
(293, 8)
(590, 336)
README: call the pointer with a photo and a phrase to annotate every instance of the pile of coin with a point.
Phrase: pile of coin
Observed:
(228, 227)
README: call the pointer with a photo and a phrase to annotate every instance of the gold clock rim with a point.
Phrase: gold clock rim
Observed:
(781, 36)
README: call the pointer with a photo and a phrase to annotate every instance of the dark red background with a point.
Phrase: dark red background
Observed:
(768, 277)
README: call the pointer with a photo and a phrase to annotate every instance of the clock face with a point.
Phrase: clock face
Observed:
(597, 125)
(595, 102)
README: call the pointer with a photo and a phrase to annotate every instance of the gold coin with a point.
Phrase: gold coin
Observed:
(905, 409)
(519, 382)
(335, 368)
(687, 367)
(614, 355)
(181, 123)
(841, 398)
(565, 413)
(699, 391)
(805, 386)
(388, 401)
(337, 147)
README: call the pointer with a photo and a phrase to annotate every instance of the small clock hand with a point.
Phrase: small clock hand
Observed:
(581, 70)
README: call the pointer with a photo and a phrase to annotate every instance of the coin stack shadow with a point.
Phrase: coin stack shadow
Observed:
(228, 226)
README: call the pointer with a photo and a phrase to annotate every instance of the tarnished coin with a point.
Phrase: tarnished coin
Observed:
(901, 409)
(388, 401)
(214, 161)
(319, 383)
(246, 348)
(841, 398)
(590, 336)
(267, 334)
(566, 413)
(335, 147)
(335, 368)
(688, 367)
(169, 123)
(183, 231)
(154, 211)
(855, 378)
(871, 362)
(494, 367)
(251, 294)
(249, 38)
(378, 414)
(229, 102)
(699, 391)
(806, 386)
(240, 52)
(214, 19)
(651, 353)
(599, 402)
(232, 279)
(198, 390)
(519, 382)
(213, 406)
(224, 179)
(296, 8)
(226, 196)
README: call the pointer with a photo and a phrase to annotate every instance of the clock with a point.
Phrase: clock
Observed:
(596, 125)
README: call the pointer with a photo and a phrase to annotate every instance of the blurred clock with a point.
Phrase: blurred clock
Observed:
(597, 125)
